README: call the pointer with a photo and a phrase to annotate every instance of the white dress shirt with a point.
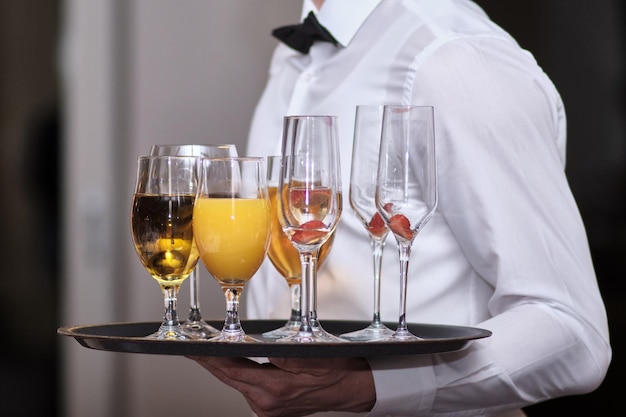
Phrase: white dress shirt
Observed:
(506, 249)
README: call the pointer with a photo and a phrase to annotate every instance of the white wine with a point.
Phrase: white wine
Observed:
(163, 236)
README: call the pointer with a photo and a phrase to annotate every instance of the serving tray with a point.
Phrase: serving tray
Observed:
(131, 338)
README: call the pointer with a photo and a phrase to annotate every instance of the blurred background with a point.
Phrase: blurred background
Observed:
(87, 85)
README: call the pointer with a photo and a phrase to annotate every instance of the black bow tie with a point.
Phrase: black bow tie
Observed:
(301, 37)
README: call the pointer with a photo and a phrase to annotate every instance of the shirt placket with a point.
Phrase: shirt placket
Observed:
(308, 78)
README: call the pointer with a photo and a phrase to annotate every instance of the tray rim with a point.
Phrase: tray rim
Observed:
(141, 344)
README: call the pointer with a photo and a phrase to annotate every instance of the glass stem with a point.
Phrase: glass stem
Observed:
(194, 303)
(295, 303)
(377, 255)
(170, 317)
(232, 323)
(405, 253)
(313, 292)
(308, 315)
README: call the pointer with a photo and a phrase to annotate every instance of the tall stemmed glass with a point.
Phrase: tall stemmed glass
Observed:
(406, 191)
(285, 257)
(232, 221)
(363, 172)
(195, 325)
(161, 227)
(310, 205)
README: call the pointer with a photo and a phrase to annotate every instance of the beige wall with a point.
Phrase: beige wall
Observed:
(135, 73)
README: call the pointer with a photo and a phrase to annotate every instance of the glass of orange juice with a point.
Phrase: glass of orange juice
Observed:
(232, 222)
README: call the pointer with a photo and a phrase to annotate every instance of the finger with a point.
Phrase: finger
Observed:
(298, 365)
(232, 370)
(313, 366)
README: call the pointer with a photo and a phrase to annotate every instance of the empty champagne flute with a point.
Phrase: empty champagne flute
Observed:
(161, 227)
(406, 190)
(309, 205)
(363, 172)
(285, 257)
(232, 221)
(195, 325)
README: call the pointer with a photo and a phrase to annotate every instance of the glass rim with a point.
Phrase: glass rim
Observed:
(311, 116)
(173, 157)
(232, 158)
(395, 105)
(172, 145)
(408, 106)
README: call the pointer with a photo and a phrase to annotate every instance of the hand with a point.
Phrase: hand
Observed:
(296, 386)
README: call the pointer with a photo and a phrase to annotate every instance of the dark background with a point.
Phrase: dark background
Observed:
(579, 43)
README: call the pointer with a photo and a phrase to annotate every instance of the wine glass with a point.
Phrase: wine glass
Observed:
(284, 255)
(232, 221)
(406, 189)
(309, 205)
(195, 325)
(363, 172)
(161, 226)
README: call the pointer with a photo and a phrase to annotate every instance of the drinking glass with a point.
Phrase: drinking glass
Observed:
(406, 190)
(195, 325)
(161, 226)
(309, 205)
(232, 221)
(363, 172)
(284, 255)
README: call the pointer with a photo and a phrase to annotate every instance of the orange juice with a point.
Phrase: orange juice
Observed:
(232, 236)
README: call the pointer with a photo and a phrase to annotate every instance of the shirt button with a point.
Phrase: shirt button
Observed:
(308, 77)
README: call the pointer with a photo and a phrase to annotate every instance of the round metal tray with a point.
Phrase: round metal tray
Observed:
(131, 338)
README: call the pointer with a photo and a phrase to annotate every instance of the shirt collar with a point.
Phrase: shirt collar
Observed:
(342, 18)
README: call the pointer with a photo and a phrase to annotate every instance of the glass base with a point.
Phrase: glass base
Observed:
(401, 336)
(289, 329)
(168, 332)
(199, 329)
(316, 335)
(372, 332)
(233, 337)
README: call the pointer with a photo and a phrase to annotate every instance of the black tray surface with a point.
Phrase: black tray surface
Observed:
(131, 338)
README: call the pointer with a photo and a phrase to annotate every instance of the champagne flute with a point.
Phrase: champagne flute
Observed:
(285, 257)
(363, 172)
(232, 221)
(309, 205)
(161, 226)
(406, 189)
(195, 325)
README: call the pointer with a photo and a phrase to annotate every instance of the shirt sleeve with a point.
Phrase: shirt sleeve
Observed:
(500, 131)
(404, 386)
